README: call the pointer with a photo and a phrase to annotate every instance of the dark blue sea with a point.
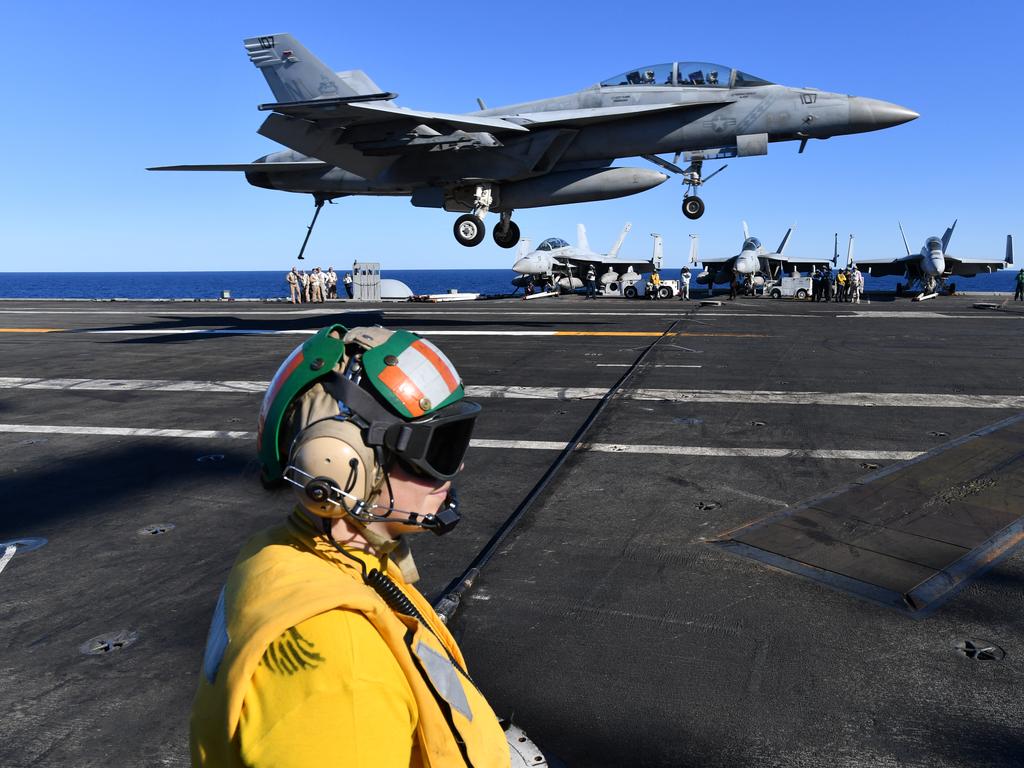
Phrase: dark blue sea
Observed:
(271, 285)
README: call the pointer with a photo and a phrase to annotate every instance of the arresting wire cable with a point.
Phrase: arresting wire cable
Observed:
(448, 602)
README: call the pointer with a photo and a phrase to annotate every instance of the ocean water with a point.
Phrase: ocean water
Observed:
(271, 285)
(209, 285)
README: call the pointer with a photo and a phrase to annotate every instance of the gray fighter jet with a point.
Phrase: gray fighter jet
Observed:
(929, 268)
(348, 137)
(752, 262)
(557, 263)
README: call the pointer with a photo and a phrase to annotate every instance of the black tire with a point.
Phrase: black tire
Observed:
(664, 292)
(801, 294)
(693, 207)
(469, 230)
(629, 292)
(509, 239)
(775, 293)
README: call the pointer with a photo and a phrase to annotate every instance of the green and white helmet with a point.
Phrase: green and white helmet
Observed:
(398, 388)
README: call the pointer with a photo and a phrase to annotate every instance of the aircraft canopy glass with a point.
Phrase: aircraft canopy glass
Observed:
(751, 244)
(688, 73)
(934, 244)
(551, 243)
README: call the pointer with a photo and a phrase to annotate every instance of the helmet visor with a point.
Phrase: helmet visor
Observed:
(436, 446)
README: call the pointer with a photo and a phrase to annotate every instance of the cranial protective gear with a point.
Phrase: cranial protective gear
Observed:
(346, 404)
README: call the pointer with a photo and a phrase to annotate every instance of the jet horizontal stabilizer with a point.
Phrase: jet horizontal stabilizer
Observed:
(287, 167)
(300, 107)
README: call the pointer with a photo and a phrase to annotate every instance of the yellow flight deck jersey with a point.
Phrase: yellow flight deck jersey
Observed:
(306, 665)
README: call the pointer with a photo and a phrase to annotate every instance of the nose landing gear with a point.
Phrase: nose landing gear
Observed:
(693, 206)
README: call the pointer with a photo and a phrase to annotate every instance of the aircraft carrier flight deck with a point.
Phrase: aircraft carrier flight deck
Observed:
(769, 533)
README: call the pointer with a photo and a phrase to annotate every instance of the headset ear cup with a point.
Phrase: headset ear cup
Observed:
(333, 450)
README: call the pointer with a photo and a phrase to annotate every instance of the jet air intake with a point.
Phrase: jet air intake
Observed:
(577, 187)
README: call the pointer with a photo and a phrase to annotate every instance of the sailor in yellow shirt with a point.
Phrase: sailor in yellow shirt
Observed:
(320, 651)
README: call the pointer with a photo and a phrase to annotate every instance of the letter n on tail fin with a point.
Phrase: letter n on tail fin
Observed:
(295, 74)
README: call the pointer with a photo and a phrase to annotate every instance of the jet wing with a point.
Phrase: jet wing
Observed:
(897, 267)
(345, 112)
(960, 268)
(577, 117)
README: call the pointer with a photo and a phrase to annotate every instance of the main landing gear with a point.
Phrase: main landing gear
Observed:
(470, 229)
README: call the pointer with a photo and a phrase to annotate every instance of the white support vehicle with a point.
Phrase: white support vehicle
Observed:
(644, 289)
(790, 287)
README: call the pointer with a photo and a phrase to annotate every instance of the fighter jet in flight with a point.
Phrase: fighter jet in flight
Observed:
(930, 267)
(345, 136)
(557, 263)
(753, 262)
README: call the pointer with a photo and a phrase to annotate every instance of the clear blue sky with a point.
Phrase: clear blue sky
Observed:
(95, 92)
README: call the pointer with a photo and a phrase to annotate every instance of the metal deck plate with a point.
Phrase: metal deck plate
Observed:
(910, 535)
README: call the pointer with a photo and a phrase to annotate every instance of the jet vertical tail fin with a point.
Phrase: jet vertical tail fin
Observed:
(524, 248)
(905, 243)
(618, 243)
(693, 249)
(785, 240)
(658, 250)
(947, 236)
(1009, 249)
(746, 231)
(849, 253)
(295, 74)
(835, 249)
(581, 238)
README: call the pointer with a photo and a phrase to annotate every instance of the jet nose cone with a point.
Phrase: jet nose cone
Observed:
(527, 266)
(873, 114)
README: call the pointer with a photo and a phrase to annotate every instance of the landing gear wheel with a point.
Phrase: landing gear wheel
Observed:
(469, 230)
(509, 238)
(801, 294)
(693, 207)
(630, 292)
(664, 292)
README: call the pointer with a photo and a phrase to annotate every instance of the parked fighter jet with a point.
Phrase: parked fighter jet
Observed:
(752, 261)
(348, 137)
(558, 264)
(931, 266)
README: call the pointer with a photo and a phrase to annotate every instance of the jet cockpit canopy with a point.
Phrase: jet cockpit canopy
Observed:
(688, 73)
(751, 244)
(934, 244)
(551, 243)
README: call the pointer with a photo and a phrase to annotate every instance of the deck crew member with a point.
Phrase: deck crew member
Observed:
(1018, 295)
(292, 278)
(684, 284)
(347, 280)
(321, 652)
(591, 282)
(332, 283)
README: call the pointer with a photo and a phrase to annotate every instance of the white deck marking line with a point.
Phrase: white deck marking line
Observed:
(658, 365)
(865, 399)
(9, 551)
(291, 332)
(761, 397)
(697, 450)
(532, 445)
(202, 434)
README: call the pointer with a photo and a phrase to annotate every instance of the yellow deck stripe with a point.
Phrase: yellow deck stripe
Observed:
(656, 333)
